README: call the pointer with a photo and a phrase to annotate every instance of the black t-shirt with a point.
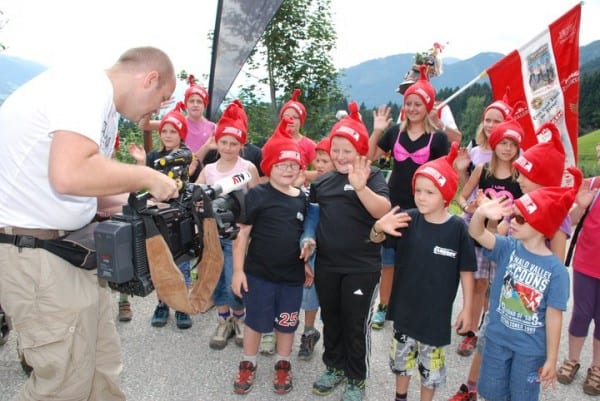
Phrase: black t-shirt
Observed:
(277, 223)
(429, 259)
(400, 181)
(344, 224)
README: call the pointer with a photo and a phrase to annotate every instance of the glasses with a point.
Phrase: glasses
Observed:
(518, 218)
(287, 166)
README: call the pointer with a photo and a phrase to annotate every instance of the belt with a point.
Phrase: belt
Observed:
(39, 233)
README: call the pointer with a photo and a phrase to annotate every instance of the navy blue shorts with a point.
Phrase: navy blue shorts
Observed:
(272, 305)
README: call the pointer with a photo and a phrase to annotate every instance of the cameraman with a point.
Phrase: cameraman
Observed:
(58, 131)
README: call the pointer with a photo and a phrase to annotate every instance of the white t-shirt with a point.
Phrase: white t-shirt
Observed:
(78, 100)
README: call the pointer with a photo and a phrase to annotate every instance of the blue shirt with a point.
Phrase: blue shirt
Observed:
(525, 285)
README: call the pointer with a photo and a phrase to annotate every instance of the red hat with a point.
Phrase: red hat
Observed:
(195, 89)
(293, 103)
(501, 105)
(353, 129)
(233, 122)
(177, 120)
(546, 208)
(423, 89)
(280, 147)
(544, 163)
(442, 173)
(324, 145)
(510, 129)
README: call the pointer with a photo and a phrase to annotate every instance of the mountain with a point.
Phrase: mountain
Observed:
(374, 82)
(15, 72)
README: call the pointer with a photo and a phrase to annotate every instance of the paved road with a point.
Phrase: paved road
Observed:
(170, 364)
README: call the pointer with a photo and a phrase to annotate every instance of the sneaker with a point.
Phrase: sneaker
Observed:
(161, 315)
(184, 321)
(355, 390)
(464, 394)
(223, 333)
(238, 329)
(282, 383)
(125, 313)
(467, 346)
(245, 378)
(328, 381)
(268, 343)
(379, 318)
(307, 344)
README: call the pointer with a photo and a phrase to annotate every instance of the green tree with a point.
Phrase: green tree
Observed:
(295, 53)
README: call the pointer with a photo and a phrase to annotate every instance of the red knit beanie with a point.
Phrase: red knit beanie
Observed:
(233, 122)
(501, 105)
(293, 103)
(195, 89)
(546, 208)
(324, 145)
(280, 147)
(544, 163)
(177, 120)
(510, 129)
(442, 173)
(423, 89)
(353, 129)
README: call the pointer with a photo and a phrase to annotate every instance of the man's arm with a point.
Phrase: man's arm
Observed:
(77, 168)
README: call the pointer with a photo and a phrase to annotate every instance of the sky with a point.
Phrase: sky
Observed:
(58, 31)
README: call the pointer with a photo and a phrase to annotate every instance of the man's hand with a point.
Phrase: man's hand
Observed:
(162, 187)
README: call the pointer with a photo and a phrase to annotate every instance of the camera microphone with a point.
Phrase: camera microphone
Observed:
(231, 183)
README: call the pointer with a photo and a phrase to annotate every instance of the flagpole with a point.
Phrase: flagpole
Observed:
(461, 90)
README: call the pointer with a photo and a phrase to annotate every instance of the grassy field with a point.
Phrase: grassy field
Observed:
(588, 161)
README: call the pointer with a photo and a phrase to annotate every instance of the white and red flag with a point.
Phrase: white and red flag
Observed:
(543, 81)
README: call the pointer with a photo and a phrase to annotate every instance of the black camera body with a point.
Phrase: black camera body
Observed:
(121, 240)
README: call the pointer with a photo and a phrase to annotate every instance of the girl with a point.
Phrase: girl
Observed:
(413, 142)
(230, 136)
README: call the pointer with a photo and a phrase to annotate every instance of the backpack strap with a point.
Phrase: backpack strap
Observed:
(579, 226)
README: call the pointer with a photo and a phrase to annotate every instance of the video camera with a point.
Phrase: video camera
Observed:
(121, 240)
(175, 164)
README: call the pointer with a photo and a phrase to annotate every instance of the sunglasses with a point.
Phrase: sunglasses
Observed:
(518, 218)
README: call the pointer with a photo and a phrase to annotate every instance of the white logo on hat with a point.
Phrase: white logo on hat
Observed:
(232, 131)
(526, 164)
(529, 204)
(423, 93)
(289, 154)
(349, 131)
(435, 174)
(513, 134)
(172, 120)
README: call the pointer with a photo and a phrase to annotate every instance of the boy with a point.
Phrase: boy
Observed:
(434, 253)
(528, 294)
(271, 275)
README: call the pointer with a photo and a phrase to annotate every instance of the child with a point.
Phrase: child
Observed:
(586, 285)
(173, 132)
(539, 166)
(437, 253)
(496, 177)
(270, 276)
(528, 294)
(230, 136)
(310, 301)
(412, 143)
(347, 267)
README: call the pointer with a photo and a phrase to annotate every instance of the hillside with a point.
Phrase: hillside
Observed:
(374, 82)
(15, 72)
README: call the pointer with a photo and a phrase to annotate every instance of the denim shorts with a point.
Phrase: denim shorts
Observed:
(508, 375)
(407, 355)
(388, 256)
(272, 305)
(223, 294)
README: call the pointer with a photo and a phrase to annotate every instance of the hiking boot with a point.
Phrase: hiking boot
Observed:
(282, 383)
(125, 313)
(307, 344)
(238, 330)
(268, 343)
(328, 381)
(223, 333)
(355, 390)
(378, 320)
(161, 315)
(184, 321)
(245, 378)
(464, 394)
(467, 346)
